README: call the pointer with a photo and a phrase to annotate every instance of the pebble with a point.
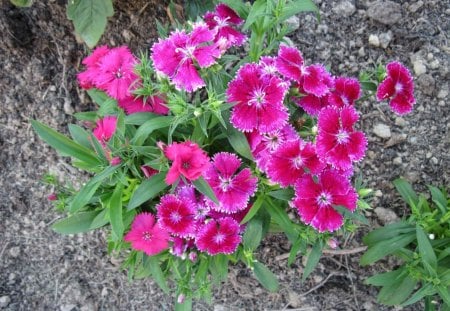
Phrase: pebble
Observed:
(4, 301)
(428, 155)
(399, 121)
(295, 300)
(344, 8)
(434, 64)
(361, 52)
(397, 160)
(385, 12)
(426, 83)
(434, 160)
(413, 7)
(14, 251)
(68, 307)
(386, 216)
(293, 22)
(385, 39)
(442, 94)
(382, 130)
(374, 40)
(419, 67)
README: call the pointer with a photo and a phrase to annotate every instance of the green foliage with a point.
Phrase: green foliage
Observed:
(421, 242)
(22, 3)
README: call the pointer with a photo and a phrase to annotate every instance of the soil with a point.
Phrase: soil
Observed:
(39, 57)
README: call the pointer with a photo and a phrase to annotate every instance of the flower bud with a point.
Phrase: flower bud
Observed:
(148, 171)
(115, 161)
(431, 236)
(193, 256)
(52, 197)
(197, 113)
(332, 243)
(181, 298)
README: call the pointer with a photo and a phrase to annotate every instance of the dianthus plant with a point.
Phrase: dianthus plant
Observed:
(198, 148)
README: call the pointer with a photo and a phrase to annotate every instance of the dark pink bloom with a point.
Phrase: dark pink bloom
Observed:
(259, 100)
(52, 197)
(177, 216)
(115, 161)
(316, 80)
(92, 63)
(231, 188)
(188, 192)
(224, 21)
(239, 216)
(219, 236)
(146, 235)
(398, 87)
(263, 145)
(178, 55)
(291, 160)
(314, 201)
(148, 171)
(290, 62)
(346, 92)
(105, 129)
(312, 104)
(154, 104)
(337, 142)
(188, 160)
(180, 246)
(116, 73)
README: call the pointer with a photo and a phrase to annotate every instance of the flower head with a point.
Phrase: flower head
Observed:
(231, 188)
(218, 236)
(316, 80)
(188, 160)
(314, 201)
(337, 142)
(398, 86)
(146, 235)
(290, 62)
(346, 92)
(92, 63)
(105, 129)
(259, 100)
(177, 216)
(154, 104)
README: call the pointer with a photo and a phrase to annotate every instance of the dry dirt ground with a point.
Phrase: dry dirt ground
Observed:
(39, 57)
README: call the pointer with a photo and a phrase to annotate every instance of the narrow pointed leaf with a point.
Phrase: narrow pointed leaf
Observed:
(384, 248)
(202, 186)
(426, 251)
(116, 213)
(147, 190)
(265, 277)
(77, 223)
(406, 191)
(254, 209)
(313, 259)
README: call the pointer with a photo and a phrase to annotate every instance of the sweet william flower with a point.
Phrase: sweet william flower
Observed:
(398, 87)
(314, 200)
(289, 62)
(105, 129)
(92, 63)
(188, 160)
(154, 104)
(346, 91)
(218, 236)
(177, 216)
(146, 235)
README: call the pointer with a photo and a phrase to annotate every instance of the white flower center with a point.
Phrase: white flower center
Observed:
(225, 183)
(219, 238)
(398, 87)
(146, 236)
(258, 98)
(342, 137)
(175, 217)
(298, 162)
(324, 199)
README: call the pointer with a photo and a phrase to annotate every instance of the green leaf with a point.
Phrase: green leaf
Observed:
(185, 306)
(202, 186)
(265, 277)
(439, 199)
(219, 268)
(85, 194)
(239, 142)
(294, 250)
(426, 251)
(351, 215)
(89, 18)
(99, 97)
(384, 248)
(383, 279)
(253, 234)
(148, 127)
(313, 260)
(257, 10)
(80, 135)
(388, 232)
(406, 191)
(297, 6)
(147, 190)
(444, 293)
(152, 263)
(398, 291)
(282, 219)
(140, 118)
(100, 220)
(115, 212)
(426, 290)
(80, 222)
(282, 194)
(90, 116)
(369, 86)
(64, 144)
(22, 3)
(254, 209)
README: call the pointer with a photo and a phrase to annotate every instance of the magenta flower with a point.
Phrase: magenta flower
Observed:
(224, 21)
(398, 87)
(188, 160)
(105, 129)
(218, 236)
(291, 160)
(116, 73)
(178, 55)
(259, 100)
(290, 62)
(337, 142)
(316, 80)
(312, 104)
(231, 188)
(154, 104)
(92, 63)
(146, 235)
(148, 171)
(314, 201)
(346, 92)
(177, 216)
(188, 192)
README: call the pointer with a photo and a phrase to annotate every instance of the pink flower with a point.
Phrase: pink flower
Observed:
(115, 161)
(153, 104)
(259, 100)
(291, 160)
(92, 62)
(177, 55)
(312, 104)
(188, 160)
(146, 235)
(105, 129)
(115, 75)
(316, 80)
(290, 62)
(219, 236)
(263, 145)
(314, 201)
(337, 142)
(232, 189)
(346, 92)
(148, 171)
(52, 197)
(177, 216)
(224, 21)
(398, 86)
(188, 193)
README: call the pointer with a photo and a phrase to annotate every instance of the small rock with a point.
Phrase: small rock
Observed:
(293, 22)
(385, 39)
(378, 193)
(344, 8)
(426, 83)
(220, 308)
(361, 52)
(399, 121)
(434, 160)
(52, 88)
(374, 40)
(413, 7)
(385, 215)
(434, 64)
(442, 94)
(397, 160)
(294, 299)
(68, 109)
(4, 301)
(419, 67)
(385, 12)
(428, 155)
(68, 307)
(14, 251)
(382, 130)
